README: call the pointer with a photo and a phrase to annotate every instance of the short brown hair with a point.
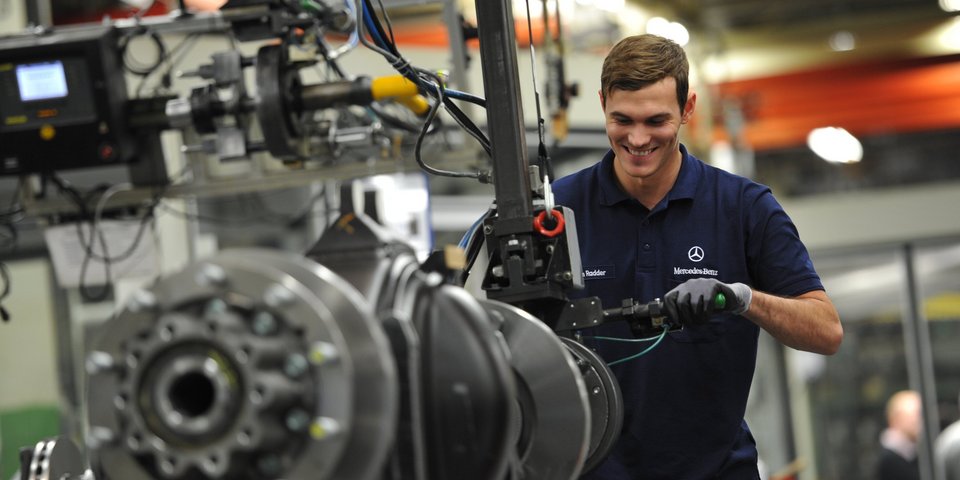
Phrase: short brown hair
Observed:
(642, 60)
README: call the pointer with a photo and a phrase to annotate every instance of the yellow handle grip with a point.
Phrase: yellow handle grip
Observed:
(400, 89)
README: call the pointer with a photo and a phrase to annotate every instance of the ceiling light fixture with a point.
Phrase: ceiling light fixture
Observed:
(842, 41)
(835, 145)
(950, 5)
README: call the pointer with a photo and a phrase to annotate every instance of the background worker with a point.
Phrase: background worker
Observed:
(898, 442)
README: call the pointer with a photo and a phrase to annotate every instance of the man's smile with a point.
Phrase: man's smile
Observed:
(639, 153)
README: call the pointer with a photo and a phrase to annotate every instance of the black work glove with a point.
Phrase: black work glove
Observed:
(692, 302)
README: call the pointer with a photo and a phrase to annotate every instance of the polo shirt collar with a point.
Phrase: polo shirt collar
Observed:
(610, 191)
(684, 188)
(686, 185)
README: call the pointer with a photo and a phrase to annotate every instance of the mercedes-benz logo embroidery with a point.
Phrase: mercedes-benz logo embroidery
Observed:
(695, 254)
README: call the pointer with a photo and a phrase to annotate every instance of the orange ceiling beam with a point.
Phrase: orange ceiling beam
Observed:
(866, 99)
(435, 34)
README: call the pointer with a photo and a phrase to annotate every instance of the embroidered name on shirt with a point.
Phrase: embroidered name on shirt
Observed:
(603, 271)
(695, 271)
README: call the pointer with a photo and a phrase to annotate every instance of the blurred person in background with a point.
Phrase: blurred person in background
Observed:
(898, 455)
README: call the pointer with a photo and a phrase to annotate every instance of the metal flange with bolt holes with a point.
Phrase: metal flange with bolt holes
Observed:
(252, 364)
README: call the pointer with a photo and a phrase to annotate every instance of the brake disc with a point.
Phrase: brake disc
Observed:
(252, 364)
(551, 396)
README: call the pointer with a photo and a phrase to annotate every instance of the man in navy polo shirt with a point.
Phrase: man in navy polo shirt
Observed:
(655, 222)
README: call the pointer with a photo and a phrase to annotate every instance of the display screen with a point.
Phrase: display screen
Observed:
(41, 81)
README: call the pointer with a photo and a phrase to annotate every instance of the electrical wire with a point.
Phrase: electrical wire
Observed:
(403, 67)
(132, 67)
(533, 70)
(469, 234)
(390, 53)
(5, 278)
(645, 351)
(363, 18)
(352, 41)
(172, 59)
(472, 242)
(9, 241)
(95, 227)
(386, 19)
(98, 215)
(417, 150)
(15, 212)
(622, 340)
(96, 235)
(543, 156)
(469, 97)
(468, 125)
(85, 291)
(378, 109)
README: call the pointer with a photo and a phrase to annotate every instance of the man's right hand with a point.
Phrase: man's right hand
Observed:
(692, 302)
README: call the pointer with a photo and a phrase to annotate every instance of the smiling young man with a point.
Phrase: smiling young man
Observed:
(659, 223)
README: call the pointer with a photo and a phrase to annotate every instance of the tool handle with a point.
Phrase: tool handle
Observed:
(720, 301)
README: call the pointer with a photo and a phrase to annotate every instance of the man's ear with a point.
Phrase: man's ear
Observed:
(689, 107)
(603, 101)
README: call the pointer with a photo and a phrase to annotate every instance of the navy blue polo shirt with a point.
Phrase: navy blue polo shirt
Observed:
(684, 401)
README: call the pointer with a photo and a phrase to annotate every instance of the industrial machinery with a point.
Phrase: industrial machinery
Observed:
(62, 102)
(352, 360)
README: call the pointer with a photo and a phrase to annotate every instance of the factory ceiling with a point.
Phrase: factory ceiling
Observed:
(751, 14)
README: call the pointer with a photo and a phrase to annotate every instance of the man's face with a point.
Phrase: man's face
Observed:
(643, 128)
(912, 417)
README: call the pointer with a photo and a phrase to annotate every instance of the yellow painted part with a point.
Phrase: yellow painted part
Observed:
(417, 104)
(945, 306)
(400, 89)
(16, 120)
(392, 86)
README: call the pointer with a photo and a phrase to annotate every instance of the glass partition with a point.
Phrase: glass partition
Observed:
(938, 274)
(839, 401)
(847, 391)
